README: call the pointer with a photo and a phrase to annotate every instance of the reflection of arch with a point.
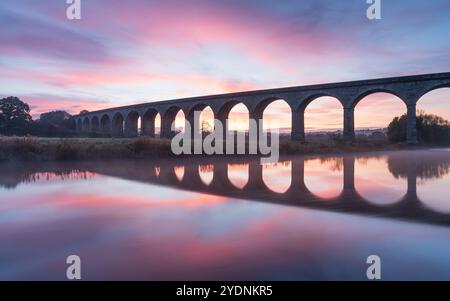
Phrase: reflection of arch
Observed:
(434, 194)
(95, 124)
(105, 124)
(371, 179)
(131, 124)
(86, 125)
(117, 125)
(238, 175)
(277, 177)
(324, 177)
(148, 123)
(206, 173)
(179, 172)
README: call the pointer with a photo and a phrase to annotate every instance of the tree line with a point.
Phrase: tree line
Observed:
(16, 120)
(431, 129)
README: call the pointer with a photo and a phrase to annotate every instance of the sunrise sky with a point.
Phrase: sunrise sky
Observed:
(126, 52)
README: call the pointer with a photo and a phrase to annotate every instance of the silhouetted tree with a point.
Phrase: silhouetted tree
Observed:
(53, 124)
(15, 116)
(55, 117)
(431, 129)
(84, 112)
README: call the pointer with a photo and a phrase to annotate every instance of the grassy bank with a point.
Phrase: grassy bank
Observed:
(51, 149)
(67, 149)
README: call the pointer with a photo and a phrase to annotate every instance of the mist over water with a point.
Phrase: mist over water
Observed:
(315, 217)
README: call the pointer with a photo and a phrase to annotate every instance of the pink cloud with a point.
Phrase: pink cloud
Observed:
(44, 103)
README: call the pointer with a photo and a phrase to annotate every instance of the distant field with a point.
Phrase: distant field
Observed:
(62, 149)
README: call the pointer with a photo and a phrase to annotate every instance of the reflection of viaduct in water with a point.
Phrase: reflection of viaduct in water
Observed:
(409, 207)
(123, 121)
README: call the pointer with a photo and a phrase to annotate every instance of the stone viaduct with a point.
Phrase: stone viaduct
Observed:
(123, 121)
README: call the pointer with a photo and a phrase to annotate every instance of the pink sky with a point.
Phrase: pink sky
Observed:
(130, 52)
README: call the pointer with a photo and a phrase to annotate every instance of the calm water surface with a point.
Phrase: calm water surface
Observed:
(313, 218)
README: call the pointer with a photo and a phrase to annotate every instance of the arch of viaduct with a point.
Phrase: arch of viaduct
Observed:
(409, 207)
(123, 121)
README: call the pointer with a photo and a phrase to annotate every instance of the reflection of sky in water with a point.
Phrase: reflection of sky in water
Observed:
(277, 176)
(324, 178)
(128, 230)
(206, 173)
(435, 194)
(179, 172)
(376, 184)
(238, 175)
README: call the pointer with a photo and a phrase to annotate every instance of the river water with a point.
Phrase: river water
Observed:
(303, 218)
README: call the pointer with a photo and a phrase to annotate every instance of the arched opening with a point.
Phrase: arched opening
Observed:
(79, 125)
(132, 124)
(174, 115)
(376, 184)
(323, 117)
(86, 125)
(105, 124)
(206, 173)
(206, 120)
(201, 116)
(324, 177)
(234, 117)
(95, 126)
(238, 118)
(72, 125)
(148, 123)
(238, 174)
(118, 125)
(180, 122)
(277, 176)
(277, 115)
(436, 102)
(433, 109)
(374, 112)
(158, 125)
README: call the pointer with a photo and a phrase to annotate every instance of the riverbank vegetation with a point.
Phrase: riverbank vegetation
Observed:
(432, 130)
(66, 149)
